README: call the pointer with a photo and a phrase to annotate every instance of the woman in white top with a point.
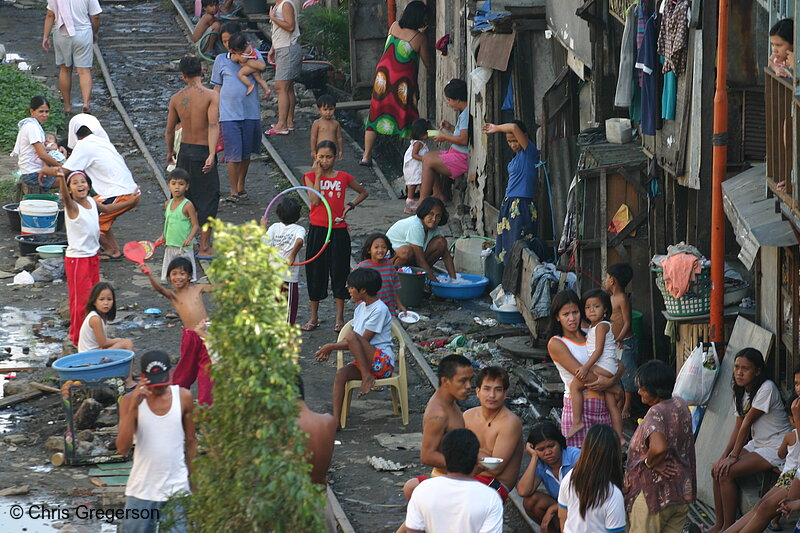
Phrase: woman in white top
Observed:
(760, 419)
(567, 349)
(287, 55)
(590, 496)
(81, 261)
(29, 147)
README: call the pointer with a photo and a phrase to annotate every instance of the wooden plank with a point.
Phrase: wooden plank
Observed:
(603, 217)
(43, 388)
(338, 512)
(421, 362)
(718, 422)
(19, 398)
(352, 105)
(8, 369)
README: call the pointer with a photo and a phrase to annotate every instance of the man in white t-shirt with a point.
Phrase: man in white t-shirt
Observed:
(76, 23)
(111, 180)
(456, 501)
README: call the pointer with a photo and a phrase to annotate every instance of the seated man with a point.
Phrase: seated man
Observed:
(209, 25)
(456, 501)
(498, 430)
(112, 181)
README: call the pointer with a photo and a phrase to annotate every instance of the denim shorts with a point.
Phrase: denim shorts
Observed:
(630, 358)
(242, 139)
(32, 180)
(144, 516)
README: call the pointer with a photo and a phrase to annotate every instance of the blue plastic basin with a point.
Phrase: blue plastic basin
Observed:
(69, 367)
(461, 292)
(508, 317)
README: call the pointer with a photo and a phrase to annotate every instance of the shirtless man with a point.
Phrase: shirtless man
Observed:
(187, 300)
(442, 414)
(197, 109)
(497, 428)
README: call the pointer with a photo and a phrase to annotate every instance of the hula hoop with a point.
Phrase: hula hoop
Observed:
(327, 208)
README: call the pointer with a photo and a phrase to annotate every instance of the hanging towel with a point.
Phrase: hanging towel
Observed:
(627, 57)
(679, 271)
(64, 22)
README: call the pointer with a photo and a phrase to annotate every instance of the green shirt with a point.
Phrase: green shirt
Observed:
(177, 226)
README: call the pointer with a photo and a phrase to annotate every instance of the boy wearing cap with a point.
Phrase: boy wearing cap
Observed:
(159, 415)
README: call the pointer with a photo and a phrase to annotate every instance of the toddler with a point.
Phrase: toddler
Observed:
(326, 128)
(243, 53)
(288, 237)
(618, 276)
(412, 160)
(602, 361)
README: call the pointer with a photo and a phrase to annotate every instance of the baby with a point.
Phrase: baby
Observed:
(59, 153)
(245, 55)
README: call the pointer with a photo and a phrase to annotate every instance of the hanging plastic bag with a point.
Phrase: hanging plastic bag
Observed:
(697, 376)
(620, 220)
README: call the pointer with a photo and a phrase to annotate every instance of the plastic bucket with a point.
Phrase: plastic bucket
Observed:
(412, 287)
(49, 197)
(467, 256)
(493, 270)
(38, 216)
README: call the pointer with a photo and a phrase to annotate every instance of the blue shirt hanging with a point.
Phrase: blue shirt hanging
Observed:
(647, 62)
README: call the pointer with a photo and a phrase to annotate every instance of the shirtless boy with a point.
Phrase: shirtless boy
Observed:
(442, 414)
(209, 24)
(498, 430)
(187, 299)
(326, 128)
(617, 279)
(197, 109)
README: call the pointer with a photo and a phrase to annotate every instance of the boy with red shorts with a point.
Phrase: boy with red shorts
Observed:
(370, 340)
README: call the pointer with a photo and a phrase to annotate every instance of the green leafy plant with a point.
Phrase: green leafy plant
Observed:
(253, 476)
(16, 90)
(328, 30)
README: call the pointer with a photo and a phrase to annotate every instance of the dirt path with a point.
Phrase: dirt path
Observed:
(372, 500)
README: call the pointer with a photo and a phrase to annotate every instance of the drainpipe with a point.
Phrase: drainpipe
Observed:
(392, 4)
(720, 162)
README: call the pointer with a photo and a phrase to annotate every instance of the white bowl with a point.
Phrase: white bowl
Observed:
(408, 317)
(490, 463)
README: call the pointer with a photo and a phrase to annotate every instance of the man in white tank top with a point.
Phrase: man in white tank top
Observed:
(159, 415)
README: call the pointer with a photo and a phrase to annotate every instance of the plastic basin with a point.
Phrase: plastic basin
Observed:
(508, 317)
(475, 289)
(51, 250)
(12, 212)
(29, 243)
(72, 366)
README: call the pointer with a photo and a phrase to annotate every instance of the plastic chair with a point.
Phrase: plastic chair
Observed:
(398, 382)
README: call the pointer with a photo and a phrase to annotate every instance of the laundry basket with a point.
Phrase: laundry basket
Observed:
(696, 301)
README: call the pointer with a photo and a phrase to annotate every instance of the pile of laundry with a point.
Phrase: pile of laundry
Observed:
(680, 267)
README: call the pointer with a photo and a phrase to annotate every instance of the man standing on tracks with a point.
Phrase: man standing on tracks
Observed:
(76, 23)
(197, 109)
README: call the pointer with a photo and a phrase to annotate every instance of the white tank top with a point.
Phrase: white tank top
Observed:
(159, 462)
(83, 231)
(608, 359)
(792, 454)
(280, 37)
(580, 354)
(87, 339)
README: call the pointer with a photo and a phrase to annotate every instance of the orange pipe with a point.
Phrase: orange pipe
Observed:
(392, 4)
(720, 163)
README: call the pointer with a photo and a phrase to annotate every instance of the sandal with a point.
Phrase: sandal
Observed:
(243, 195)
(309, 326)
(171, 316)
(104, 256)
(232, 198)
(338, 327)
(273, 131)
(365, 163)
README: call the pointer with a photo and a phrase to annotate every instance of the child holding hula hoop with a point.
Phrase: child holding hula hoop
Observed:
(334, 262)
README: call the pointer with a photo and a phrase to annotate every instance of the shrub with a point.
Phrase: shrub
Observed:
(253, 476)
(16, 90)
(328, 30)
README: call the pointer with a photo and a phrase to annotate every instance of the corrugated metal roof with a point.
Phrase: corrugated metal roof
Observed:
(755, 218)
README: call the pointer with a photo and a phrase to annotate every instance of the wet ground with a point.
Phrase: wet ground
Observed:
(372, 501)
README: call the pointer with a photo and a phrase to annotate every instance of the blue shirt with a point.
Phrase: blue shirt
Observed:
(461, 124)
(522, 173)
(234, 103)
(647, 62)
(569, 456)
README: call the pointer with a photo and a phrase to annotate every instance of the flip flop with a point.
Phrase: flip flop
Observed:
(232, 198)
(272, 126)
(365, 163)
(273, 131)
(243, 195)
(108, 257)
(206, 257)
(171, 316)
(338, 327)
(309, 326)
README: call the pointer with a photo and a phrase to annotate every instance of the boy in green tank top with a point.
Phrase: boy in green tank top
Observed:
(180, 223)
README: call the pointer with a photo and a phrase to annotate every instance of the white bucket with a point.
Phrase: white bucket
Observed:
(467, 256)
(38, 216)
